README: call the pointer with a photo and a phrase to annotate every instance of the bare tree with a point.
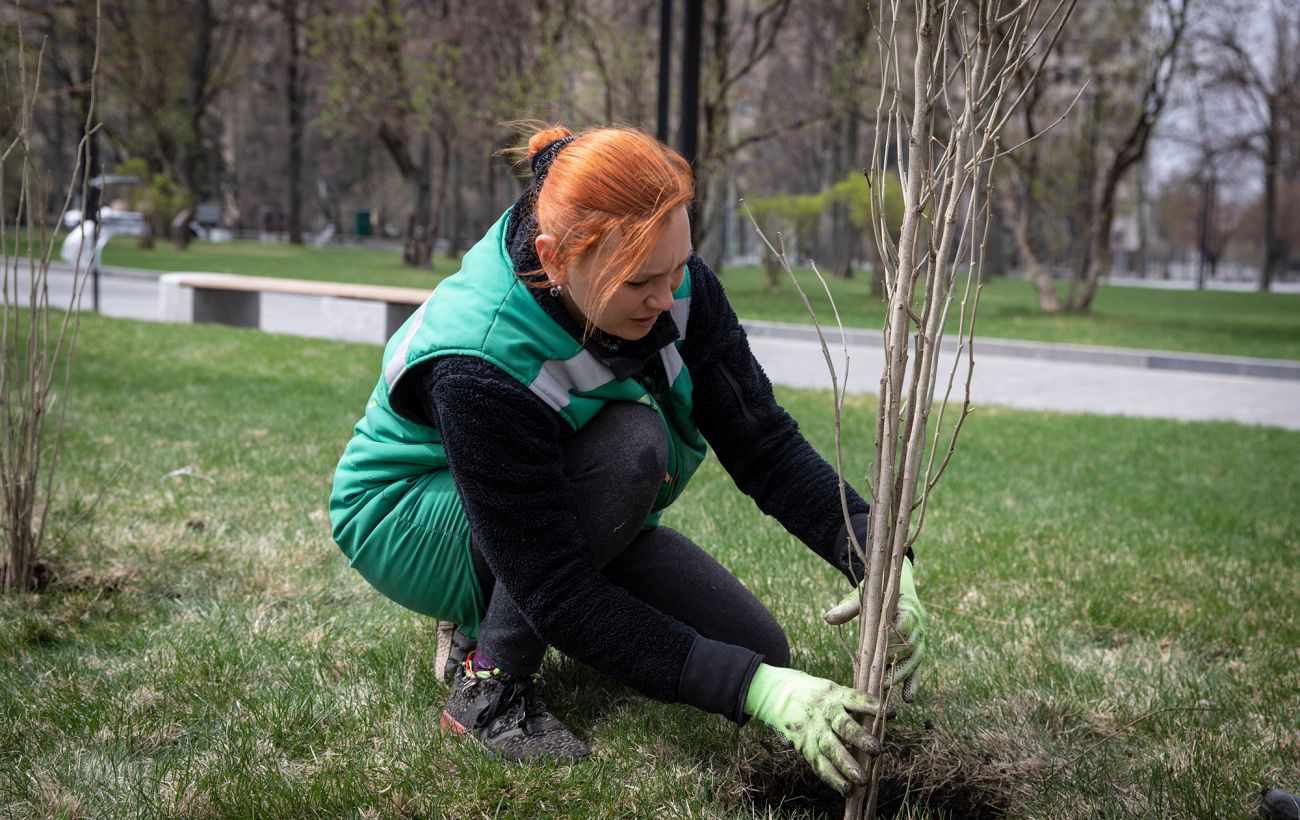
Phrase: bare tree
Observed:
(620, 41)
(36, 343)
(1020, 200)
(418, 77)
(1256, 60)
(1124, 55)
(938, 123)
(169, 63)
(66, 29)
(735, 50)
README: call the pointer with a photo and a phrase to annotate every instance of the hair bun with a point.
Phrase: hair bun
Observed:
(547, 136)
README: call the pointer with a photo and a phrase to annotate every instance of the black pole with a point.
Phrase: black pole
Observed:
(689, 137)
(665, 66)
(92, 209)
(94, 262)
(95, 196)
(690, 121)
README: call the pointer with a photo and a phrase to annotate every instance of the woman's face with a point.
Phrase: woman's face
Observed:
(637, 303)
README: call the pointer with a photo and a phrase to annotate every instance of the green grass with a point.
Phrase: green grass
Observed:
(1240, 324)
(206, 651)
(1218, 322)
(364, 265)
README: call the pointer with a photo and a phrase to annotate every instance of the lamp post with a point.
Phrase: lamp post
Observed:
(665, 67)
(688, 121)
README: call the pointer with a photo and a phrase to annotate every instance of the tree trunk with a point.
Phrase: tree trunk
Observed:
(1099, 253)
(1272, 139)
(845, 239)
(86, 57)
(1017, 209)
(456, 218)
(293, 101)
(1208, 195)
(418, 248)
(1143, 198)
(772, 268)
(710, 165)
(191, 150)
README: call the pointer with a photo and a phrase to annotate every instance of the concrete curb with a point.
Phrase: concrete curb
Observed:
(106, 270)
(1079, 354)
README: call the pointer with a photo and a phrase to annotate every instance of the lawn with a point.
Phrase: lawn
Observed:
(1113, 609)
(1241, 324)
(329, 264)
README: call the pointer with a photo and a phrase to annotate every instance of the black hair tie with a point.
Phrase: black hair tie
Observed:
(546, 154)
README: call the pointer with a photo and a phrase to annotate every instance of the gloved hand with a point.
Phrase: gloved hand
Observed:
(910, 626)
(813, 714)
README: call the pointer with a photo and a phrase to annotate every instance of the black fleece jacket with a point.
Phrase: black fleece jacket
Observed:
(503, 449)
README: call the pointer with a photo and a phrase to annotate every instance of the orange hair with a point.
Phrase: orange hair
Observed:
(609, 182)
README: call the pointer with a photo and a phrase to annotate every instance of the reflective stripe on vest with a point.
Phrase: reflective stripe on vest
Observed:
(584, 372)
(397, 362)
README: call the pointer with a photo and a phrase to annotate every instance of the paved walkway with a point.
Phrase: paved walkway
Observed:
(1025, 375)
(1030, 383)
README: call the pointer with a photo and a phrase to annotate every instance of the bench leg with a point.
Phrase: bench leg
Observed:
(227, 307)
(397, 316)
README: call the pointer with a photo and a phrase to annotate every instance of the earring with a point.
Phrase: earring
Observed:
(557, 289)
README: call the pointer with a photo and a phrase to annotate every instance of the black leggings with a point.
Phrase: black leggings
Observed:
(615, 464)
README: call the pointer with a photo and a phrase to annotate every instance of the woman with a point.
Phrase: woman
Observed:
(534, 417)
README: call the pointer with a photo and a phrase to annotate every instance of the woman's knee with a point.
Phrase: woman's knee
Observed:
(624, 447)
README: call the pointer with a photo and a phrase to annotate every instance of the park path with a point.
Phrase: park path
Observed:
(1025, 382)
(1021, 375)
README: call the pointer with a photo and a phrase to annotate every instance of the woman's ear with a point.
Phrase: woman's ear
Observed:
(545, 245)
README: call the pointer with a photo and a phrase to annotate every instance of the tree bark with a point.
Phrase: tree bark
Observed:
(86, 59)
(456, 213)
(192, 146)
(418, 251)
(1272, 138)
(1208, 197)
(710, 165)
(294, 103)
(845, 239)
(1099, 255)
(1018, 217)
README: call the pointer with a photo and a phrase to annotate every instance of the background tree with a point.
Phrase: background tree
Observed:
(1124, 54)
(420, 78)
(65, 29)
(294, 14)
(1255, 61)
(736, 48)
(167, 65)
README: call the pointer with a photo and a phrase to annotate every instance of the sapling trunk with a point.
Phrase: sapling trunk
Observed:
(944, 143)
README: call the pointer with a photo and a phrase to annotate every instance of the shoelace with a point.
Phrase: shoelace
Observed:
(514, 690)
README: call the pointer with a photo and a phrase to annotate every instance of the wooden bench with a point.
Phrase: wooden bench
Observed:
(329, 310)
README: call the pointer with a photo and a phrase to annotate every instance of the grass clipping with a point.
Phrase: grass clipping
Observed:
(951, 74)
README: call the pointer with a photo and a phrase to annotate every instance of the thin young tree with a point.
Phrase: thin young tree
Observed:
(36, 341)
(938, 120)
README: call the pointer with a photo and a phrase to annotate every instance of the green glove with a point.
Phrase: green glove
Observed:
(813, 714)
(905, 654)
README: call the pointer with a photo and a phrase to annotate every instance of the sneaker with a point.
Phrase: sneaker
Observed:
(453, 648)
(505, 714)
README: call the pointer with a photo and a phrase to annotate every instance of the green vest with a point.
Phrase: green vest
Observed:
(484, 310)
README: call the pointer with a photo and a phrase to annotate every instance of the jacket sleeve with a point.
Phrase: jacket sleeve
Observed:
(504, 451)
(755, 439)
